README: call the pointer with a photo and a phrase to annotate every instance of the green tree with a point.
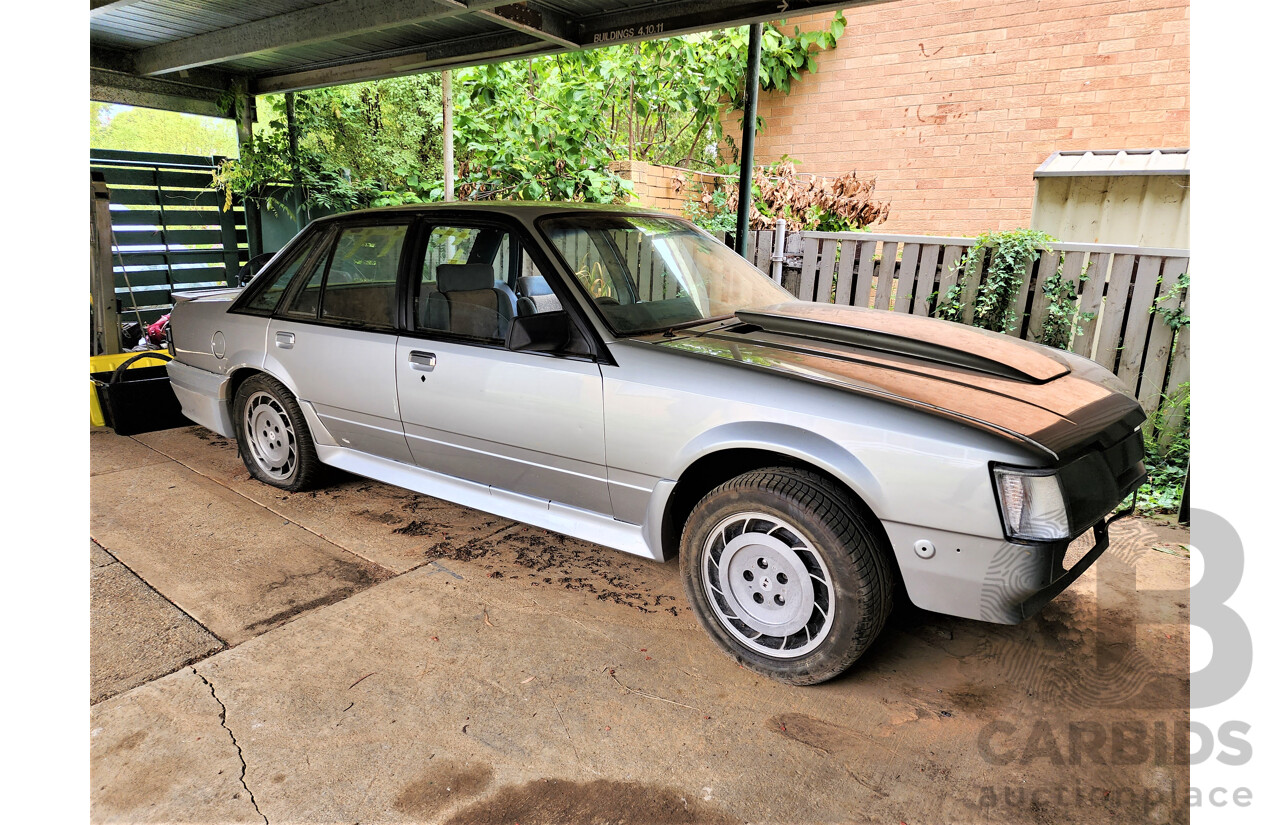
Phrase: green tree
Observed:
(549, 127)
(354, 143)
(135, 129)
(545, 128)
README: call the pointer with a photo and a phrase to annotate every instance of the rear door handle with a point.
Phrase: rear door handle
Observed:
(425, 361)
(284, 340)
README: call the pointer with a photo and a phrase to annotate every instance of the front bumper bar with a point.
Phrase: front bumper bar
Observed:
(991, 580)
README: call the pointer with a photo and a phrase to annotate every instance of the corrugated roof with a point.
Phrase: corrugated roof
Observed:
(183, 53)
(1114, 162)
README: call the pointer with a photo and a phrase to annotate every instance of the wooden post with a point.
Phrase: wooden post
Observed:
(291, 121)
(446, 93)
(1184, 506)
(245, 111)
(748, 140)
(102, 277)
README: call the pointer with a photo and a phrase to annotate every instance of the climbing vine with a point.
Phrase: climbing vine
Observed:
(1172, 306)
(1062, 323)
(1006, 257)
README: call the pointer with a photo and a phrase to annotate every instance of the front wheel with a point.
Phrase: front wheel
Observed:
(272, 435)
(786, 574)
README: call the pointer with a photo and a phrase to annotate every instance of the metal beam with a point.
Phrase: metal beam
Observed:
(543, 24)
(666, 20)
(316, 24)
(108, 86)
(452, 54)
(746, 161)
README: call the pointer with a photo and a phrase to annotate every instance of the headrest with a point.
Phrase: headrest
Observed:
(464, 277)
(533, 285)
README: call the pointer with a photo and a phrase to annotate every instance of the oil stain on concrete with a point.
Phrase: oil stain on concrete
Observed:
(557, 801)
(441, 786)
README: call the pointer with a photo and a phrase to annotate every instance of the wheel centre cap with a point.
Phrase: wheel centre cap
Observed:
(766, 584)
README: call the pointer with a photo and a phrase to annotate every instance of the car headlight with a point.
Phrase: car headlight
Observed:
(1032, 504)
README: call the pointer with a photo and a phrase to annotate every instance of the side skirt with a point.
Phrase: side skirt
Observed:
(570, 521)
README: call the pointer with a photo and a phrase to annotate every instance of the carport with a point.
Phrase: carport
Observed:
(362, 653)
(215, 58)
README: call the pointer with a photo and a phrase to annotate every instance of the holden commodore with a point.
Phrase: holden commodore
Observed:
(618, 375)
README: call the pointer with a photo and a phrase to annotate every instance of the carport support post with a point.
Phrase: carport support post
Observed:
(245, 106)
(295, 166)
(446, 94)
(748, 140)
(102, 277)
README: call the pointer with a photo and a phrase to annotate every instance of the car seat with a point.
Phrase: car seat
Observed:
(468, 302)
(535, 296)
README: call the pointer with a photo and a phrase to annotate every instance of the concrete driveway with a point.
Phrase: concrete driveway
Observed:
(365, 654)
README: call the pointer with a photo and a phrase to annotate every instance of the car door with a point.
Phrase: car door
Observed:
(333, 337)
(524, 422)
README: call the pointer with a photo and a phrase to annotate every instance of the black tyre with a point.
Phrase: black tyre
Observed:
(786, 574)
(272, 435)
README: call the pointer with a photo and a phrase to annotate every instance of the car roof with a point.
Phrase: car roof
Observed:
(516, 209)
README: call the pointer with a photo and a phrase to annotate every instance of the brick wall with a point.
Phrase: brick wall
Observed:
(656, 186)
(952, 104)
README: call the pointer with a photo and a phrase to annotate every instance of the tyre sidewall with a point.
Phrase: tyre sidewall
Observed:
(262, 383)
(833, 655)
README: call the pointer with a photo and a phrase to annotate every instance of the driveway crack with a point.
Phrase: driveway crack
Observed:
(222, 719)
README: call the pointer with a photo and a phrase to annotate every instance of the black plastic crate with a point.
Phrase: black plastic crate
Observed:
(138, 400)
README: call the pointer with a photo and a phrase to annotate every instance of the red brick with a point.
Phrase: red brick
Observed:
(951, 105)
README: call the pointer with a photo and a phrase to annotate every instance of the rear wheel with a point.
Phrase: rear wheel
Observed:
(272, 435)
(786, 574)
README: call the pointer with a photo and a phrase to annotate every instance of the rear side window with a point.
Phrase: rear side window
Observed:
(361, 284)
(306, 300)
(269, 294)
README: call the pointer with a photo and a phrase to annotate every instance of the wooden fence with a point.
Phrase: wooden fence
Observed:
(1122, 287)
(168, 229)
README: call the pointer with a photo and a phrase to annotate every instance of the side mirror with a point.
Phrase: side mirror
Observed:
(544, 332)
(252, 268)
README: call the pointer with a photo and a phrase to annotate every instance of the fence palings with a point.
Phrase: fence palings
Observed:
(1160, 340)
(906, 278)
(1116, 290)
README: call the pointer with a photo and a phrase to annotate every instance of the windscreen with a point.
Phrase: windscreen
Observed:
(652, 273)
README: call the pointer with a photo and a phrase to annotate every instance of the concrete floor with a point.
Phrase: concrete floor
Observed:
(366, 654)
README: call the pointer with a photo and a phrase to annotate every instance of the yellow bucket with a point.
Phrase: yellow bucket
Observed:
(107, 363)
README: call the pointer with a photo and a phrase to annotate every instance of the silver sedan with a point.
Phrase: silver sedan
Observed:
(619, 376)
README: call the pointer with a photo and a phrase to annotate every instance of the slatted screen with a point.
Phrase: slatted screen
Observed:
(170, 231)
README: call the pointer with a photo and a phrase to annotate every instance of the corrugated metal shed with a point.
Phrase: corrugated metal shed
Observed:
(186, 54)
(1129, 196)
(1117, 162)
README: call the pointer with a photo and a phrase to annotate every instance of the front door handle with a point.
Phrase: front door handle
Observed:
(284, 340)
(425, 361)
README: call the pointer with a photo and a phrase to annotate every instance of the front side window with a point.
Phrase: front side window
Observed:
(646, 274)
(467, 283)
